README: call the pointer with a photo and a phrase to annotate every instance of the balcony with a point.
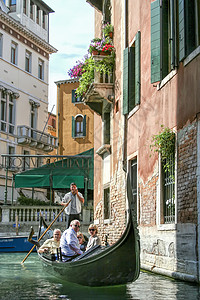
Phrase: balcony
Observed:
(36, 139)
(100, 93)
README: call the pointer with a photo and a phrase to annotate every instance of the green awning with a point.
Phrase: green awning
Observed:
(32, 180)
(78, 168)
(60, 182)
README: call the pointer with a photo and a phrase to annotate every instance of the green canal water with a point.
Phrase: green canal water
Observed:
(30, 282)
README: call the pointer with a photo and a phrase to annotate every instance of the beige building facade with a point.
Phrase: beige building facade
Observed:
(75, 120)
(24, 78)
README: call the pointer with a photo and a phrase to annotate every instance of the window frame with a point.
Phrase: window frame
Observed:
(82, 133)
(7, 107)
(107, 207)
(28, 61)
(40, 69)
(14, 53)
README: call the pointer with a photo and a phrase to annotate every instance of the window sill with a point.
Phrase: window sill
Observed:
(80, 102)
(191, 56)
(79, 137)
(167, 227)
(133, 111)
(167, 79)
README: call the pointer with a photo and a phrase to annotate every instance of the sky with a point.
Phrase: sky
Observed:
(71, 28)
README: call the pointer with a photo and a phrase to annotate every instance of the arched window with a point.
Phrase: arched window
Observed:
(79, 126)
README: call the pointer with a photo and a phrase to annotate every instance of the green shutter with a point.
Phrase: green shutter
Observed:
(137, 68)
(73, 127)
(155, 42)
(125, 81)
(181, 9)
(164, 39)
(173, 61)
(73, 96)
(131, 78)
(84, 125)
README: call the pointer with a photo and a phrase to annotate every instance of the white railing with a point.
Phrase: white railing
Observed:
(31, 214)
(36, 138)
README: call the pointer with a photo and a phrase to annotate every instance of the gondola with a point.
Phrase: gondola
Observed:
(103, 266)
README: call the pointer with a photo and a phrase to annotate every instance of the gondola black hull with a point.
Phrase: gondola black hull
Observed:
(114, 265)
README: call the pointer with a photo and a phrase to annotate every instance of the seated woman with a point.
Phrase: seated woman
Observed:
(93, 239)
(82, 241)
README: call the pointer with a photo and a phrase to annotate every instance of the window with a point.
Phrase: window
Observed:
(12, 5)
(14, 53)
(53, 123)
(189, 27)
(41, 69)
(168, 190)
(38, 15)
(133, 178)
(43, 20)
(28, 57)
(24, 7)
(31, 9)
(7, 113)
(1, 44)
(79, 126)
(106, 128)
(131, 76)
(163, 39)
(75, 98)
(106, 198)
(106, 11)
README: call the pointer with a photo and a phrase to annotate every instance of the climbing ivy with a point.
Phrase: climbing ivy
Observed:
(164, 143)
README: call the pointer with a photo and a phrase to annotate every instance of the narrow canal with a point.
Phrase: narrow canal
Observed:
(30, 282)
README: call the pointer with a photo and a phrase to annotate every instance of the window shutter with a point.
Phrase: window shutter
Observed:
(125, 82)
(131, 78)
(165, 39)
(137, 68)
(84, 125)
(155, 42)
(73, 127)
(181, 9)
(73, 96)
(173, 37)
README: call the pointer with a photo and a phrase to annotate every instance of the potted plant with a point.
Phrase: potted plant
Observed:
(95, 46)
(77, 70)
(108, 30)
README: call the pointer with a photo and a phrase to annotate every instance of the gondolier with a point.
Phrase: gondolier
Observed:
(73, 210)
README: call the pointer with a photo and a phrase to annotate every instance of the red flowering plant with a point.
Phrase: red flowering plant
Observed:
(108, 48)
(77, 70)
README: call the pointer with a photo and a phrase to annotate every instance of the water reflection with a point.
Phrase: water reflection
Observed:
(29, 281)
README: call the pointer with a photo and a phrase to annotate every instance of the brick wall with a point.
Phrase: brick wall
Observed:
(115, 226)
(187, 169)
(147, 196)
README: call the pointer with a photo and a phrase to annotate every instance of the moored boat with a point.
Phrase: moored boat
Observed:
(15, 244)
(103, 266)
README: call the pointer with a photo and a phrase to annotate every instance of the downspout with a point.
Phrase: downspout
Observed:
(125, 116)
(58, 115)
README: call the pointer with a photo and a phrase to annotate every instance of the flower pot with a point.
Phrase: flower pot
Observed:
(110, 34)
(104, 53)
(95, 52)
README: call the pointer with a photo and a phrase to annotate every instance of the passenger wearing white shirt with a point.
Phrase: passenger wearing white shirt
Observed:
(69, 242)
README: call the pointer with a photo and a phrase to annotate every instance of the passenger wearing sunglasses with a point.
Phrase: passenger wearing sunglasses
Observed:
(69, 242)
(93, 239)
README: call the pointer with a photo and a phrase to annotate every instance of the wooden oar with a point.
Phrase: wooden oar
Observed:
(46, 230)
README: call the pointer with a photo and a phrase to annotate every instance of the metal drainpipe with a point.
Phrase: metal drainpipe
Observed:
(125, 116)
(58, 114)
